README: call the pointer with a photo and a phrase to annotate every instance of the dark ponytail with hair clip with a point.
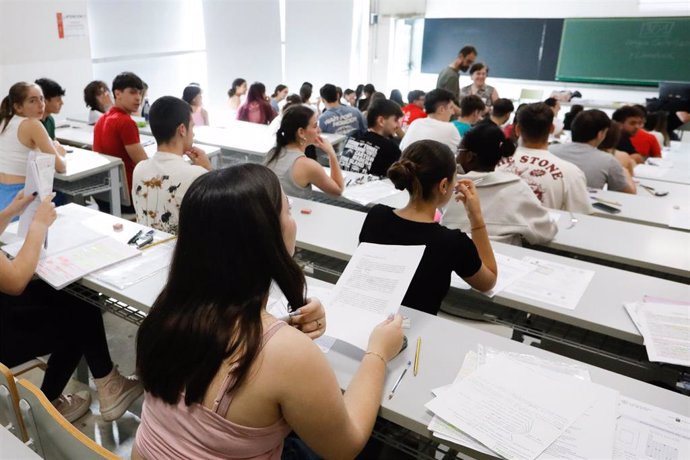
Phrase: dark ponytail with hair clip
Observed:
(422, 165)
(17, 94)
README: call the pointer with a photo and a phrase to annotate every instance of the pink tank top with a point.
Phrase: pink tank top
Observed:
(180, 431)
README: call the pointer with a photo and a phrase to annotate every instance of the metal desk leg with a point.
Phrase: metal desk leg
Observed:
(115, 191)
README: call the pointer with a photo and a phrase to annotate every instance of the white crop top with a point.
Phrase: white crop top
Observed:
(13, 154)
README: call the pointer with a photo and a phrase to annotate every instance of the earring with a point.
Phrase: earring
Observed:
(302, 140)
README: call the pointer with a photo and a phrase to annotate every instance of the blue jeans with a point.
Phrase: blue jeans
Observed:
(295, 449)
(7, 194)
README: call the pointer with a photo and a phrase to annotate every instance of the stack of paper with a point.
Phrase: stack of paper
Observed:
(40, 172)
(665, 327)
(510, 270)
(74, 251)
(514, 406)
(370, 191)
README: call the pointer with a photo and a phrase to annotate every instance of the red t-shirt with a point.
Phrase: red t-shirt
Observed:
(112, 132)
(646, 144)
(410, 113)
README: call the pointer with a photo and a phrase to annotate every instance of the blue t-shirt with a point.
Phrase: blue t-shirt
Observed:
(462, 127)
(343, 120)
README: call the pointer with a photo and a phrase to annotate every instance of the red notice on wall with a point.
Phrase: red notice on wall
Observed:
(61, 26)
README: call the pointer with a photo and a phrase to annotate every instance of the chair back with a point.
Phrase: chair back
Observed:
(50, 435)
(9, 404)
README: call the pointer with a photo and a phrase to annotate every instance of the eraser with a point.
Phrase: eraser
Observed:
(305, 211)
(118, 227)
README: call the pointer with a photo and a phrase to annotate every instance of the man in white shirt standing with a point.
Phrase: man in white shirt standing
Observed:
(159, 183)
(436, 126)
(557, 183)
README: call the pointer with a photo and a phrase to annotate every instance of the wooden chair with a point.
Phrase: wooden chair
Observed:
(49, 434)
(9, 404)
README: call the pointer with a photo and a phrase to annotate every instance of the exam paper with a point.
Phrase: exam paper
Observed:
(151, 261)
(370, 289)
(40, 171)
(553, 283)
(370, 192)
(650, 172)
(666, 332)
(513, 411)
(650, 433)
(510, 270)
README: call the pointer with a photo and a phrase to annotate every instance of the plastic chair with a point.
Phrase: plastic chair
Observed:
(49, 434)
(9, 404)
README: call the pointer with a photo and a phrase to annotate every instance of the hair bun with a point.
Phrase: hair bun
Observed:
(506, 148)
(402, 173)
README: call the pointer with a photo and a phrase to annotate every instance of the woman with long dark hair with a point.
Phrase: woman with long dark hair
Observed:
(235, 93)
(256, 108)
(299, 129)
(224, 378)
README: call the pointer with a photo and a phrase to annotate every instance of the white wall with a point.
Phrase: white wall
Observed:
(31, 48)
(163, 42)
(242, 40)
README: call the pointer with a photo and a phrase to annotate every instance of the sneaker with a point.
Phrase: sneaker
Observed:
(116, 393)
(73, 406)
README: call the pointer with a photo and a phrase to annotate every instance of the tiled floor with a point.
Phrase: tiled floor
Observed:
(118, 436)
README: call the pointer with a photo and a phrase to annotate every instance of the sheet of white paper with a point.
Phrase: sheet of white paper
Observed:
(553, 283)
(680, 218)
(650, 433)
(510, 270)
(666, 332)
(650, 172)
(130, 272)
(660, 162)
(631, 309)
(40, 171)
(371, 288)
(370, 192)
(68, 266)
(512, 410)
(550, 367)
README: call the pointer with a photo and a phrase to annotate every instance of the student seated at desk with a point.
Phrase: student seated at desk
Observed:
(192, 96)
(427, 171)
(256, 108)
(500, 112)
(374, 151)
(298, 130)
(226, 379)
(570, 116)
(471, 110)
(36, 320)
(557, 183)
(98, 99)
(279, 94)
(558, 125)
(21, 132)
(235, 93)
(161, 181)
(338, 118)
(644, 144)
(115, 133)
(510, 209)
(439, 108)
(589, 129)
(609, 144)
(52, 95)
(414, 109)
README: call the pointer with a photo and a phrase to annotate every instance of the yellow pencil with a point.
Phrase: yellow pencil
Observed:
(416, 356)
(165, 240)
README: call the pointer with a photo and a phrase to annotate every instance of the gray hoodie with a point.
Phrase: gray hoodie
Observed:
(510, 209)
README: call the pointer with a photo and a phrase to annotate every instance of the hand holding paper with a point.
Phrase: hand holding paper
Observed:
(40, 171)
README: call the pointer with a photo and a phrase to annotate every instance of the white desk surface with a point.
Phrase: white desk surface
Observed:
(82, 136)
(83, 163)
(659, 249)
(334, 231)
(12, 448)
(437, 365)
(642, 208)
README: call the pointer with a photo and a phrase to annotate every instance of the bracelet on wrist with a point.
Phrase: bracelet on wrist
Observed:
(373, 353)
(479, 227)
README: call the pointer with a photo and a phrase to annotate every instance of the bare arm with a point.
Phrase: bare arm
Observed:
(33, 135)
(335, 425)
(136, 152)
(485, 278)
(311, 172)
(16, 274)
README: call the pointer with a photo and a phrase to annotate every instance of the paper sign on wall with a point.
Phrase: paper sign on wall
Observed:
(71, 25)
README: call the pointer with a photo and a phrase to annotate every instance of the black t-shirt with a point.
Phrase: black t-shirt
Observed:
(625, 144)
(446, 251)
(369, 153)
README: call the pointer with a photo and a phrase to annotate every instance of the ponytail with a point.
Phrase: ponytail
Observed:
(6, 113)
(489, 145)
(17, 94)
(294, 118)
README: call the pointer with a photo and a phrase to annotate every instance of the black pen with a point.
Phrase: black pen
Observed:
(134, 238)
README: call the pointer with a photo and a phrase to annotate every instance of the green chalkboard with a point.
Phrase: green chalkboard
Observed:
(629, 51)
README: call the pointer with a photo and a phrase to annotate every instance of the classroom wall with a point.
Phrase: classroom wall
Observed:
(26, 57)
(387, 77)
